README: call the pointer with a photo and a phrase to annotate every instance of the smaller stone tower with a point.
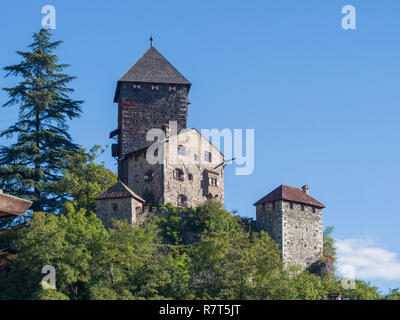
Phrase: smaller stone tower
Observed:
(294, 220)
(118, 203)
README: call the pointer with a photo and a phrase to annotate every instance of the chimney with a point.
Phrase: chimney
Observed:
(305, 189)
(165, 128)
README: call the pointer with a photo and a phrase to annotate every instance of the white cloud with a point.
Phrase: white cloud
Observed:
(368, 260)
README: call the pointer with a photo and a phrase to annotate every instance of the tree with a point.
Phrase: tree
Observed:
(83, 179)
(68, 243)
(30, 166)
(329, 242)
(363, 291)
(393, 294)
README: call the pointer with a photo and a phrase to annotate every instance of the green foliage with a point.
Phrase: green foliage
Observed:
(363, 291)
(394, 294)
(30, 166)
(173, 225)
(83, 179)
(205, 253)
(329, 242)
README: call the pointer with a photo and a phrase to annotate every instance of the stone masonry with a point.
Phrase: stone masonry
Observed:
(152, 94)
(119, 203)
(198, 181)
(294, 220)
(149, 95)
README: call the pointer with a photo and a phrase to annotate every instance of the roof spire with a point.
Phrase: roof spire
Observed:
(151, 40)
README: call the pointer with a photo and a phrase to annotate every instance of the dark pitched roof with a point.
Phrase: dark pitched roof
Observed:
(152, 67)
(289, 194)
(118, 190)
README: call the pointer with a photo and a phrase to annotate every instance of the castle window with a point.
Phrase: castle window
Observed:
(273, 205)
(213, 181)
(172, 89)
(136, 86)
(313, 209)
(207, 156)
(181, 150)
(155, 87)
(190, 177)
(148, 176)
(115, 207)
(291, 205)
(302, 207)
(178, 174)
(182, 200)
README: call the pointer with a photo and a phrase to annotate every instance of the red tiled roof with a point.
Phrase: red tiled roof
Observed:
(289, 194)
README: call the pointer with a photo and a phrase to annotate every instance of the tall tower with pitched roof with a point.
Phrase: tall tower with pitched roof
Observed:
(149, 95)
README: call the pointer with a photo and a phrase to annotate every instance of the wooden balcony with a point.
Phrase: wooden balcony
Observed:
(11, 206)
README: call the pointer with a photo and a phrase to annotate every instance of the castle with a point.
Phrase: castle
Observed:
(177, 165)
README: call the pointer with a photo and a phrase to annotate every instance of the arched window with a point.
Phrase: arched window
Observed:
(182, 200)
(148, 176)
(178, 174)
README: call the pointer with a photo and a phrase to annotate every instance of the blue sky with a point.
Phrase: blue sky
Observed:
(323, 101)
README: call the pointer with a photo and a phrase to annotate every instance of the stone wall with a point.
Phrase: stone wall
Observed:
(269, 218)
(302, 234)
(298, 232)
(195, 184)
(138, 166)
(195, 189)
(145, 109)
(126, 210)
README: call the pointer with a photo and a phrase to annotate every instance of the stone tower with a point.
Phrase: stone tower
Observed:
(149, 95)
(189, 169)
(120, 203)
(294, 220)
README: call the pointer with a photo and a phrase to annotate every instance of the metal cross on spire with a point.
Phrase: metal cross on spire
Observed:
(151, 40)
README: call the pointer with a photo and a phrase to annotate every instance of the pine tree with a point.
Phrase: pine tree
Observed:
(31, 166)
